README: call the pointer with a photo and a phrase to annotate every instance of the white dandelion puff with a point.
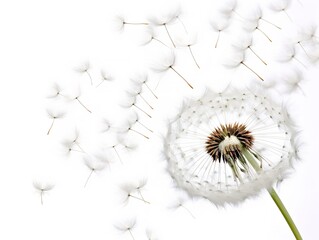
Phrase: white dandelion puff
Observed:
(245, 42)
(216, 143)
(281, 6)
(42, 188)
(54, 115)
(237, 59)
(127, 226)
(84, 68)
(168, 63)
(188, 42)
(219, 24)
(94, 165)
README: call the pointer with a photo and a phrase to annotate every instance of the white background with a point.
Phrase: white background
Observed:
(42, 42)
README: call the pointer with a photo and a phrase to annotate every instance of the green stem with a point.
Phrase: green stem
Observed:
(285, 213)
(252, 160)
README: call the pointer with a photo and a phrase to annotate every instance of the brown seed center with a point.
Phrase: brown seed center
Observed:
(226, 141)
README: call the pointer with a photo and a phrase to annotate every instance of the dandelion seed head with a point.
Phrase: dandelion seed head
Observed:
(210, 146)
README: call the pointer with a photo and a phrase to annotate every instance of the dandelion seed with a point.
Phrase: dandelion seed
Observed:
(228, 7)
(179, 203)
(291, 82)
(128, 144)
(254, 26)
(136, 90)
(140, 185)
(130, 102)
(54, 115)
(189, 42)
(85, 69)
(150, 37)
(219, 25)
(128, 127)
(72, 144)
(168, 64)
(288, 53)
(106, 125)
(245, 43)
(165, 21)
(127, 226)
(77, 99)
(135, 119)
(104, 78)
(239, 60)
(143, 80)
(94, 166)
(42, 188)
(116, 152)
(257, 15)
(150, 234)
(55, 91)
(281, 6)
(120, 23)
(128, 190)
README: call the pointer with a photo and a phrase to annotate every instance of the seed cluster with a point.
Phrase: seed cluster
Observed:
(237, 137)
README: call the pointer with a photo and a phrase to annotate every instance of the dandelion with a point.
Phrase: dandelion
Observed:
(77, 99)
(219, 24)
(120, 23)
(127, 226)
(73, 144)
(136, 91)
(55, 91)
(150, 37)
(131, 102)
(254, 26)
(54, 115)
(104, 78)
(257, 15)
(165, 21)
(179, 202)
(42, 188)
(84, 68)
(144, 79)
(281, 6)
(129, 191)
(291, 82)
(228, 7)
(288, 53)
(237, 60)
(245, 43)
(135, 119)
(189, 42)
(227, 147)
(128, 126)
(150, 234)
(94, 166)
(168, 64)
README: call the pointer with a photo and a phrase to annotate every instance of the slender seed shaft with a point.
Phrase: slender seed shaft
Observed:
(83, 105)
(169, 35)
(181, 77)
(264, 34)
(257, 55)
(87, 180)
(142, 110)
(51, 126)
(252, 71)
(191, 52)
(217, 40)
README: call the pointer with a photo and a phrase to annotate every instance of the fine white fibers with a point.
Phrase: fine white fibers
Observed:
(229, 178)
